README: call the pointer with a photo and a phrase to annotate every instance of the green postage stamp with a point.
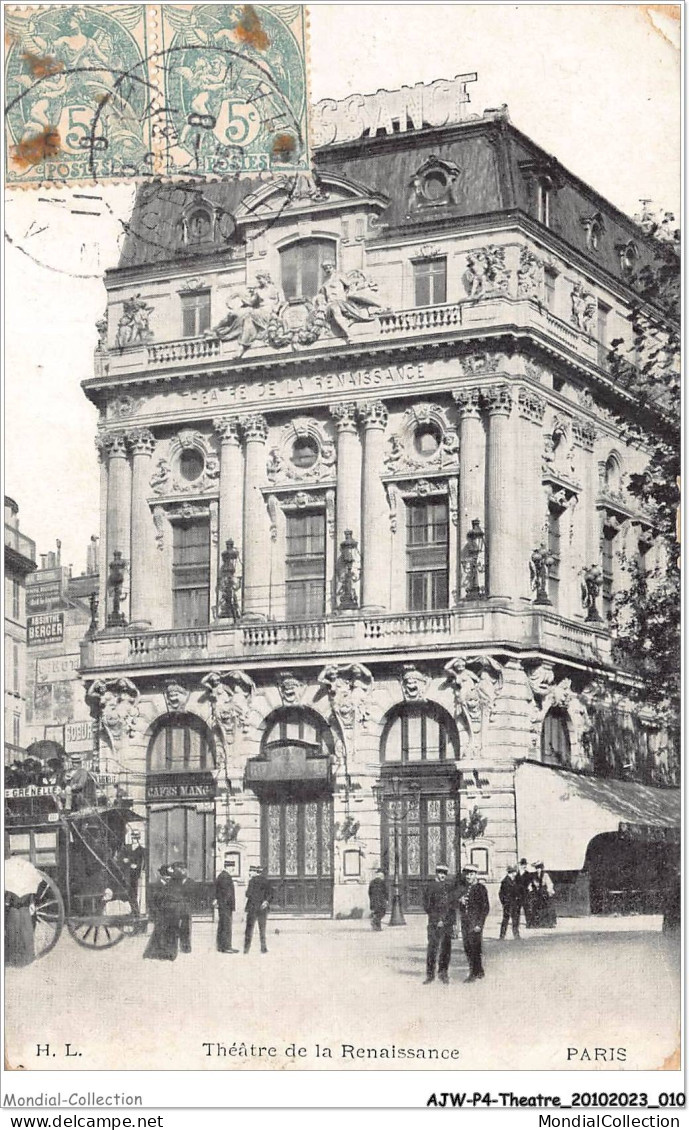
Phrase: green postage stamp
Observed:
(132, 91)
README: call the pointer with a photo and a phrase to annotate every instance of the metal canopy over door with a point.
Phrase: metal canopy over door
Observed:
(297, 850)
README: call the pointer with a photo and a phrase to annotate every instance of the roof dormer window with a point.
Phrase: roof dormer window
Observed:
(594, 226)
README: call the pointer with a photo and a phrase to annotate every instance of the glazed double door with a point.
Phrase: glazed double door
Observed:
(297, 851)
(185, 833)
(425, 829)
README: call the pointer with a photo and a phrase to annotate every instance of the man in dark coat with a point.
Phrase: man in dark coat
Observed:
(524, 880)
(439, 904)
(510, 900)
(182, 890)
(225, 902)
(164, 909)
(473, 911)
(131, 861)
(378, 898)
(259, 895)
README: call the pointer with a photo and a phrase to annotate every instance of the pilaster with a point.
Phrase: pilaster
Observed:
(376, 530)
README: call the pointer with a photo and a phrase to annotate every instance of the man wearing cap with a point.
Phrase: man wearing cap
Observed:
(80, 787)
(473, 911)
(378, 898)
(438, 902)
(510, 899)
(259, 894)
(131, 861)
(225, 902)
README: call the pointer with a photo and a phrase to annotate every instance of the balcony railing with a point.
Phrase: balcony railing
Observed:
(157, 644)
(259, 636)
(465, 319)
(409, 624)
(20, 543)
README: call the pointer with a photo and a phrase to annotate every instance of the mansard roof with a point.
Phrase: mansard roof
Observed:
(493, 169)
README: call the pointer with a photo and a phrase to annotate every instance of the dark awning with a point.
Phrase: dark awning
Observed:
(559, 813)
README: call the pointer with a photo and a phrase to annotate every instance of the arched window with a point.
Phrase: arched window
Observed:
(199, 225)
(293, 724)
(612, 475)
(181, 743)
(555, 743)
(418, 732)
(301, 266)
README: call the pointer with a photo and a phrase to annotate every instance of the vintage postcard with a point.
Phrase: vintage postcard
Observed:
(342, 685)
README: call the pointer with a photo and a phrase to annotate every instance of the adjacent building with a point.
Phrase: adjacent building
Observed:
(20, 561)
(364, 514)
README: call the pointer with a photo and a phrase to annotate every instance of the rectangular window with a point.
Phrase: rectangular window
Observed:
(191, 573)
(430, 281)
(16, 600)
(607, 566)
(301, 266)
(16, 729)
(196, 313)
(554, 550)
(305, 565)
(543, 201)
(602, 334)
(427, 543)
(549, 282)
(16, 686)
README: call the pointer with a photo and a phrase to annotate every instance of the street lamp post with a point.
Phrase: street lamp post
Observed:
(402, 795)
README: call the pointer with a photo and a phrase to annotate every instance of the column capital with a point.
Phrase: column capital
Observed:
(227, 427)
(345, 416)
(531, 405)
(468, 401)
(372, 413)
(254, 427)
(112, 445)
(141, 441)
(497, 400)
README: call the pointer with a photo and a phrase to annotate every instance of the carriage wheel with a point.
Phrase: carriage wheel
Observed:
(95, 933)
(49, 916)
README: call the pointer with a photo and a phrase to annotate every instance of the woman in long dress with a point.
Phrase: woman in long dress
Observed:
(22, 881)
(544, 914)
(165, 911)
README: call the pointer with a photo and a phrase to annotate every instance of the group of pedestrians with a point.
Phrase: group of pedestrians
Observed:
(527, 888)
(170, 906)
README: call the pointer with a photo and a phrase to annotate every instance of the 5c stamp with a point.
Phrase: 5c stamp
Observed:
(134, 91)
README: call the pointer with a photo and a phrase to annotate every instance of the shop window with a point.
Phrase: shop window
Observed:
(305, 564)
(196, 313)
(427, 551)
(419, 732)
(555, 743)
(181, 744)
(301, 266)
(191, 573)
(430, 281)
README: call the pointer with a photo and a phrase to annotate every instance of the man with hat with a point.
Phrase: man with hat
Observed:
(259, 895)
(80, 787)
(473, 911)
(510, 900)
(131, 861)
(378, 898)
(225, 902)
(524, 881)
(438, 902)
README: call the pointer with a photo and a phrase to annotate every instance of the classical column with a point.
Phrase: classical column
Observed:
(256, 546)
(472, 487)
(501, 501)
(375, 533)
(142, 567)
(348, 502)
(230, 516)
(585, 437)
(528, 445)
(102, 447)
(119, 500)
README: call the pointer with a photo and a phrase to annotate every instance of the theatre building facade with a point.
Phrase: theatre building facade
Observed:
(364, 514)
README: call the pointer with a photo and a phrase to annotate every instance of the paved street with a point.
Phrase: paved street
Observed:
(594, 983)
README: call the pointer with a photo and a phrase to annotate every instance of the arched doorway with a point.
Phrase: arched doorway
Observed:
(419, 753)
(180, 794)
(292, 779)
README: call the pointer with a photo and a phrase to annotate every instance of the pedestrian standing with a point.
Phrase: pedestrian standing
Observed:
(510, 899)
(163, 906)
(524, 879)
(225, 902)
(438, 902)
(22, 881)
(259, 895)
(183, 890)
(378, 899)
(473, 911)
(132, 859)
(543, 894)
